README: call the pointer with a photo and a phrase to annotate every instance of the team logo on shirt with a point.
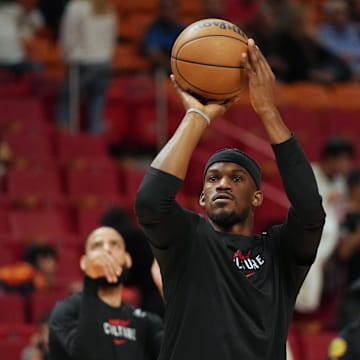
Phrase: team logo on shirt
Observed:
(120, 331)
(248, 263)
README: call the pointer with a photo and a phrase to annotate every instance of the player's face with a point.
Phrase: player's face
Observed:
(108, 240)
(229, 194)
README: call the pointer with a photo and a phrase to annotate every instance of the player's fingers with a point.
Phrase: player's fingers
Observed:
(176, 85)
(110, 267)
(253, 55)
(246, 63)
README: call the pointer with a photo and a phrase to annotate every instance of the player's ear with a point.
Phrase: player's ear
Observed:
(257, 198)
(83, 263)
(202, 200)
(128, 260)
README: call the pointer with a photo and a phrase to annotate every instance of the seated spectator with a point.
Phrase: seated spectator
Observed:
(307, 59)
(38, 348)
(31, 20)
(13, 55)
(35, 272)
(161, 35)
(338, 35)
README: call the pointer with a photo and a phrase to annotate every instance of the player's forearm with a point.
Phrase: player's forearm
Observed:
(299, 181)
(276, 129)
(174, 158)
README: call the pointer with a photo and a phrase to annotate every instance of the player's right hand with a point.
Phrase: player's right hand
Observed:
(102, 264)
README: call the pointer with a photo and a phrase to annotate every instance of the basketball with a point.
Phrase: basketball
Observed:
(206, 60)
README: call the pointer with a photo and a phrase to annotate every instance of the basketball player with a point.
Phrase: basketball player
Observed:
(229, 293)
(96, 323)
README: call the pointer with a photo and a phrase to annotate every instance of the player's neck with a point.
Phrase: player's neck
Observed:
(245, 229)
(111, 295)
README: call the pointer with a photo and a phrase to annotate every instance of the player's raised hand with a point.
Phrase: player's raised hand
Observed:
(261, 79)
(102, 264)
(212, 110)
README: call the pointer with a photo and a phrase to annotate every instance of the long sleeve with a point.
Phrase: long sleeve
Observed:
(302, 231)
(155, 205)
(74, 327)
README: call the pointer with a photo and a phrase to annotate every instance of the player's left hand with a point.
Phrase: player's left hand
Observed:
(261, 79)
(212, 110)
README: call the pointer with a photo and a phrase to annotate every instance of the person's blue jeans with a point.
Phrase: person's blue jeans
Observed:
(93, 82)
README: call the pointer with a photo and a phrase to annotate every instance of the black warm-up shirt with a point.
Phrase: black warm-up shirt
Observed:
(82, 327)
(229, 296)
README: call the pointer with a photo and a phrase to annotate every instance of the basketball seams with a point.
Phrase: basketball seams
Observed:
(207, 36)
(206, 64)
(234, 92)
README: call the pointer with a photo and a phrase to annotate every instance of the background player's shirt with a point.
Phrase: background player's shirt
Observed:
(82, 327)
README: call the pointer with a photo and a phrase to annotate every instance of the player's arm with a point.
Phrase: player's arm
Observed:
(76, 333)
(155, 333)
(155, 205)
(307, 216)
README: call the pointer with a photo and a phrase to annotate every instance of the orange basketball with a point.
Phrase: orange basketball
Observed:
(206, 60)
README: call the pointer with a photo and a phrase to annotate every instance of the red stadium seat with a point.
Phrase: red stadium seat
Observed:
(81, 146)
(131, 179)
(14, 338)
(12, 308)
(43, 302)
(42, 225)
(4, 221)
(89, 189)
(42, 188)
(89, 219)
(22, 115)
(29, 146)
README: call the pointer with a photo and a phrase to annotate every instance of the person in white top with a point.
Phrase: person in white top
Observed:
(88, 38)
(337, 159)
(13, 56)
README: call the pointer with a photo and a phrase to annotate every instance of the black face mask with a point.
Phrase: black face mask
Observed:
(103, 283)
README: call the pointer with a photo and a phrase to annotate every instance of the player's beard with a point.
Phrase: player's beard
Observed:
(226, 220)
(103, 283)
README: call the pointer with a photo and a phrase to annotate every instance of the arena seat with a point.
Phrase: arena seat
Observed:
(42, 188)
(42, 302)
(42, 225)
(12, 308)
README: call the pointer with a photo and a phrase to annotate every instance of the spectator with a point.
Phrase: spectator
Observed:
(96, 323)
(38, 349)
(161, 35)
(88, 38)
(13, 55)
(31, 20)
(35, 272)
(304, 58)
(339, 35)
(336, 161)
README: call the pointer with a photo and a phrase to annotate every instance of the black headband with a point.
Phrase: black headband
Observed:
(238, 157)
